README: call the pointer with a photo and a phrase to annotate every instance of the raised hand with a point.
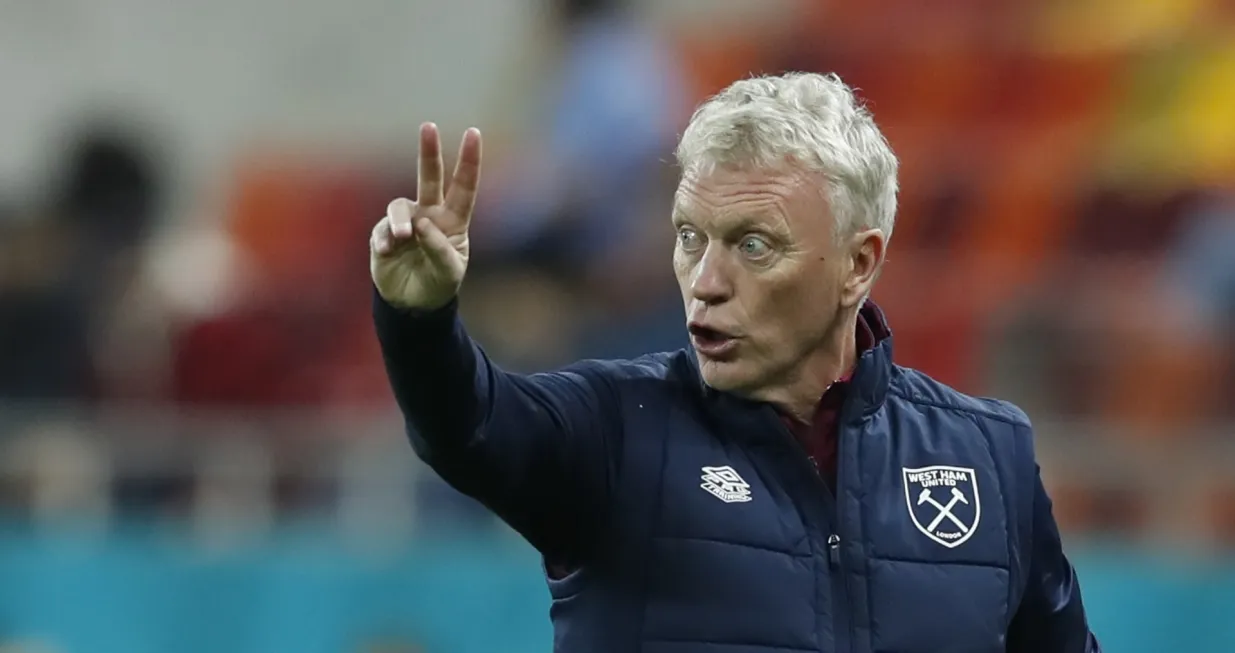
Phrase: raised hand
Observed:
(418, 253)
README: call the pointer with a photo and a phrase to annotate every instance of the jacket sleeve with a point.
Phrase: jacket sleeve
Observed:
(535, 449)
(1051, 617)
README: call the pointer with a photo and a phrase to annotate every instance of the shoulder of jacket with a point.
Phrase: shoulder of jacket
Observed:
(915, 387)
(649, 372)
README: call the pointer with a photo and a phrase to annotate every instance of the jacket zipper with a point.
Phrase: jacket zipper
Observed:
(841, 594)
(844, 616)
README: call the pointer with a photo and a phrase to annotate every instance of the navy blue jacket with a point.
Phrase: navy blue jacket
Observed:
(695, 523)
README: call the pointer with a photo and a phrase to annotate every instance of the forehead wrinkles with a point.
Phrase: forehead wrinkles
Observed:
(728, 194)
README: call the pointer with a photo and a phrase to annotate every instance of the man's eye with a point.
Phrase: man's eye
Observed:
(754, 247)
(688, 238)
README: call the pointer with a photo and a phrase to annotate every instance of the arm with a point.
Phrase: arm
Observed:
(534, 449)
(1051, 617)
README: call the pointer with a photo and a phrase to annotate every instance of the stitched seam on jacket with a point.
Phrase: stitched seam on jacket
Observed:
(710, 540)
(1010, 513)
(937, 563)
(991, 415)
(691, 640)
(656, 520)
(1026, 521)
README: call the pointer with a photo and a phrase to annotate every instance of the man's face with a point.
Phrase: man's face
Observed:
(762, 276)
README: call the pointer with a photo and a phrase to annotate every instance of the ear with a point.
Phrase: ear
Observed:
(866, 251)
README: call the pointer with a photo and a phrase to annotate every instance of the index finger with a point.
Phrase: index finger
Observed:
(429, 167)
(461, 198)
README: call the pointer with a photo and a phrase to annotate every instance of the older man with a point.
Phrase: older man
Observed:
(783, 487)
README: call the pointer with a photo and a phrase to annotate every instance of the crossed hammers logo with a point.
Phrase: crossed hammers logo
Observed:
(945, 512)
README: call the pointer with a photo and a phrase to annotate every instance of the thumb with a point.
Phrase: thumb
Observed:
(435, 245)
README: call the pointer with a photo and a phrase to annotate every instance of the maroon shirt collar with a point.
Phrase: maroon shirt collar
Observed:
(819, 437)
(865, 340)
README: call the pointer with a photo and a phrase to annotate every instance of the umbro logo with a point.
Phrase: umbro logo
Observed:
(725, 484)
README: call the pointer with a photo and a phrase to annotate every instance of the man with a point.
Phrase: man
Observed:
(783, 487)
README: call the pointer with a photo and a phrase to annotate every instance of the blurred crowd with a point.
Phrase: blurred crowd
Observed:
(1066, 240)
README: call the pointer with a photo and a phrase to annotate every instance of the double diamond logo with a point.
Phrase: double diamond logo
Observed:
(725, 484)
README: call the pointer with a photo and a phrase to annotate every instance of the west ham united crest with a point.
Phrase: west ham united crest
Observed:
(943, 502)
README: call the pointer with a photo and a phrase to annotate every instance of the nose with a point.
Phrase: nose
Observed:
(710, 282)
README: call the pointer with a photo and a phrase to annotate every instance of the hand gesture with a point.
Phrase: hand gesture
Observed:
(418, 253)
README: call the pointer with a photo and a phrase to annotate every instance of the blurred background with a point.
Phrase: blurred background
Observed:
(199, 450)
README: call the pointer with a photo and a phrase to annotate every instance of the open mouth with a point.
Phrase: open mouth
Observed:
(710, 342)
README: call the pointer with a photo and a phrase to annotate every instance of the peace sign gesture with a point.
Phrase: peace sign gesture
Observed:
(418, 253)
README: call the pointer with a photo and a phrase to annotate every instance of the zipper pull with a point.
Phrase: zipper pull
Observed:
(834, 550)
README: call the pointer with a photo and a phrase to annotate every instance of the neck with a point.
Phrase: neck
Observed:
(833, 359)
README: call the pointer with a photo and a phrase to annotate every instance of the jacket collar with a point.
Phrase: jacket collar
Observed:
(873, 374)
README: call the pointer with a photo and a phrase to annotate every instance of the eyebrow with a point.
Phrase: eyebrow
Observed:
(748, 222)
(740, 221)
(758, 218)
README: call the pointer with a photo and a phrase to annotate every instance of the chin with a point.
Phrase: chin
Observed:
(725, 376)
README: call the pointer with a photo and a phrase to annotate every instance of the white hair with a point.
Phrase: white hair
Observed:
(807, 120)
